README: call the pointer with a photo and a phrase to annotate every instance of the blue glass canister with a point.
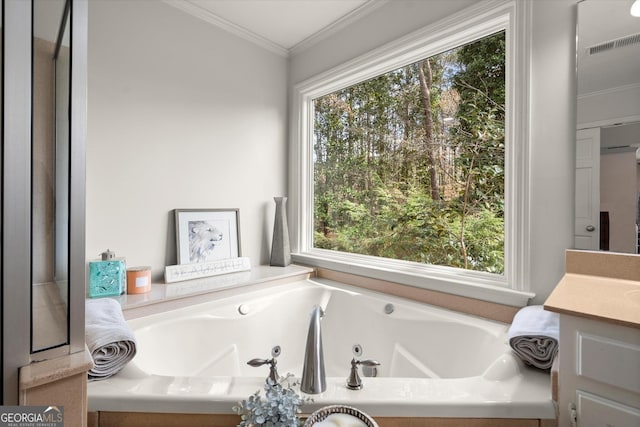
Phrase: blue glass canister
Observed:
(108, 276)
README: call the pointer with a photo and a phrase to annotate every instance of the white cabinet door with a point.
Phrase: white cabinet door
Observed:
(596, 411)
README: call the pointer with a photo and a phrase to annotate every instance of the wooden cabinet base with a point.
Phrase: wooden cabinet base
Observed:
(139, 419)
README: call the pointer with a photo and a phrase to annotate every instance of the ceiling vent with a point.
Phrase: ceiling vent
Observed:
(614, 44)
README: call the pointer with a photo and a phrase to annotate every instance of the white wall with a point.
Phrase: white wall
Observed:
(608, 106)
(553, 124)
(552, 110)
(181, 115)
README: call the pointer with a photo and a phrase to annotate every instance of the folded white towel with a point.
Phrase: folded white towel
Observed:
(534, 335)
(340, 420)
(110, 340)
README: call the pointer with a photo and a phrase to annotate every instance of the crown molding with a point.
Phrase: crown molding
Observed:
(609, 91)
(193, 9)
(338, 25)
(207, 16)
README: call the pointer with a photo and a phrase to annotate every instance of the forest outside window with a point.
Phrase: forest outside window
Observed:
(411, 162)
(409, 165)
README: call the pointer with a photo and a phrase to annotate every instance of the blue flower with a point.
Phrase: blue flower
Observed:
(279, 410)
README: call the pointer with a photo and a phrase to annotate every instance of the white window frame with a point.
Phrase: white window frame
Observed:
(512, 287)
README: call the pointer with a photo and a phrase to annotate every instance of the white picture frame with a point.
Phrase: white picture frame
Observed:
(204, 235)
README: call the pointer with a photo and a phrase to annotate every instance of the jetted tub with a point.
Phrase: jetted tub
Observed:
(433, 362)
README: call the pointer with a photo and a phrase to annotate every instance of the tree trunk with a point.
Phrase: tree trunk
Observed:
(426, 80)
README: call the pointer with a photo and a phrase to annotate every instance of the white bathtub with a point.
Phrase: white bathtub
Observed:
(434, 362)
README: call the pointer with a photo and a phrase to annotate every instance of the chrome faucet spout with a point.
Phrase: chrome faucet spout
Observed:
(313, 376)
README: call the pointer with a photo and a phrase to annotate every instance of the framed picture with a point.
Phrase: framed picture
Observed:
(204, 235)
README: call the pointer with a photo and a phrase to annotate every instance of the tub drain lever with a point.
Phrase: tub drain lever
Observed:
(354, 382)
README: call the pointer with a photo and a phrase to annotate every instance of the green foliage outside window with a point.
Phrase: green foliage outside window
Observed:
(410, 165)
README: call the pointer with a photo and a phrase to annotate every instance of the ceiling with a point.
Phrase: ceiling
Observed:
(284, 25)
(601, 21)
(280, 25)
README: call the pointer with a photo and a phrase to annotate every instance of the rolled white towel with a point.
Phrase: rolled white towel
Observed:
(534, 335)
(340, 420)
(110, 340)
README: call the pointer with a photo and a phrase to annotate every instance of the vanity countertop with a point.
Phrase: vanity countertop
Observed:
(607, 293)
(602, 298)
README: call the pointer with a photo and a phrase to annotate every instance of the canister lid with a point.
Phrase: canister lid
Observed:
(107, 255)
(136, 269)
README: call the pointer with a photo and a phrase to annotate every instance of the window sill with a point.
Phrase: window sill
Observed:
(480, 286)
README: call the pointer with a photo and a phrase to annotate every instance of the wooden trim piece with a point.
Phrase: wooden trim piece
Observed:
(549, 423)
(93, 419)
(150, 419)
(134, 419)
(455, 422)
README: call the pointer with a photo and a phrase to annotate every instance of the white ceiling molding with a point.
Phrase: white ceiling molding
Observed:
(211, 18)
(611, 90)
(338, 25)
(199, 12)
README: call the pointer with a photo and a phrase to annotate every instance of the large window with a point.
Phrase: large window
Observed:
(410, 163)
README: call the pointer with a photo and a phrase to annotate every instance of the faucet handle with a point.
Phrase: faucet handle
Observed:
(259, 362)
(354, 382)
(273, 371)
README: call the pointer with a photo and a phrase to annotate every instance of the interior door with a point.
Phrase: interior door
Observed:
(587, 203)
